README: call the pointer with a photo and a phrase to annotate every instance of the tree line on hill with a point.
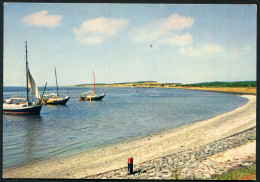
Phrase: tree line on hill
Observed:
(157, 84)
(224, 84)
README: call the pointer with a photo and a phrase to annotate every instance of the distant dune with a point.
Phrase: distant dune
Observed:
(239, 87)
(130, 84)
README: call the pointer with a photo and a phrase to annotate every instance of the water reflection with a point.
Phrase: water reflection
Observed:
(33, 131)
(56, 106)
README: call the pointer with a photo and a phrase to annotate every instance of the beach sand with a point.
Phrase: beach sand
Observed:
(234, 90)
(156, 145)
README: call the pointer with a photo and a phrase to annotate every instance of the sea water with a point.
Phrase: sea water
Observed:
(62, 130)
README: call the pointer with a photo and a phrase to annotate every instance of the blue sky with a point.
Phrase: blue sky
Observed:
(190, 43)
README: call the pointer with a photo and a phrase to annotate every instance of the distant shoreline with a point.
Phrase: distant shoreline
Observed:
(231, 90)
(239, 87)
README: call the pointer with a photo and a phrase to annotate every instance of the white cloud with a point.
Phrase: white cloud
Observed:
(90, 39)
(101, 25)
(203, 50)
(42, 18)
(145, 34)
(177, 40)
(158, 29)
(176, 22)
(211, 49)
(93, 30)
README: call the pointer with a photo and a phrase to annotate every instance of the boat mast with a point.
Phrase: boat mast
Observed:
(94, 82)
(43, 92)
(27, 98)
(56, 82)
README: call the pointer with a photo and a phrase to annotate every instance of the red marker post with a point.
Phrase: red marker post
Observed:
(130, 165)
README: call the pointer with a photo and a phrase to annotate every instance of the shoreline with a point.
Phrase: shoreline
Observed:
(203, 162)
(228, 90)
(166, 142)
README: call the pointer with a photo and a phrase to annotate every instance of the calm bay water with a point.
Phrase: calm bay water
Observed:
(122, 114)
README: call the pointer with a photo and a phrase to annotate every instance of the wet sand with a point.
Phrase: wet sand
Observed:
(156, 145)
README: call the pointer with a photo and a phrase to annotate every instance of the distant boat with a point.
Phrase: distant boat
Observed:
(91, 95)
(20, 105)
(53, 98)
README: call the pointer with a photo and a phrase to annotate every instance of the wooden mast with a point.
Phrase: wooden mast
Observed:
(27, 97)
(56, 82)
(43, 92)
(94, 82)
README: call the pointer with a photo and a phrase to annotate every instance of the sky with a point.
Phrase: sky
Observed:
(168, 43)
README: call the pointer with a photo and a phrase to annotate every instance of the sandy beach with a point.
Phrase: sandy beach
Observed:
(156, 145)
(234, 90)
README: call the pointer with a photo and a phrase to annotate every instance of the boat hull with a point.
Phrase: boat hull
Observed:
(95, 98)
(29, 110)
(56, 102)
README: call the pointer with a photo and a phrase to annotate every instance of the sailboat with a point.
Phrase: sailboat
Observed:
(91, 95)
(20, 105)
(53, 98)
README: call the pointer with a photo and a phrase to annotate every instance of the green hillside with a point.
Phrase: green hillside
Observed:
(224, 84)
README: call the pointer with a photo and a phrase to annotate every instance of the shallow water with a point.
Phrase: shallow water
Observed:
(123, 113)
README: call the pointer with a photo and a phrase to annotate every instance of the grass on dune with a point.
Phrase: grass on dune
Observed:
(243, 173)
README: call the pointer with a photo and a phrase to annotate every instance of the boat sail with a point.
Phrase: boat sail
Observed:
(91, 95)
(54, 98)
(19, 105)
(32, 85)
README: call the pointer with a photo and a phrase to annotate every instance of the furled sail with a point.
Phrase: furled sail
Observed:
(33, 86)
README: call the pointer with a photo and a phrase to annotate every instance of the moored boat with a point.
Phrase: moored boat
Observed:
(12, 106)
(91, 95)
(19, 105)
(53, 98)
